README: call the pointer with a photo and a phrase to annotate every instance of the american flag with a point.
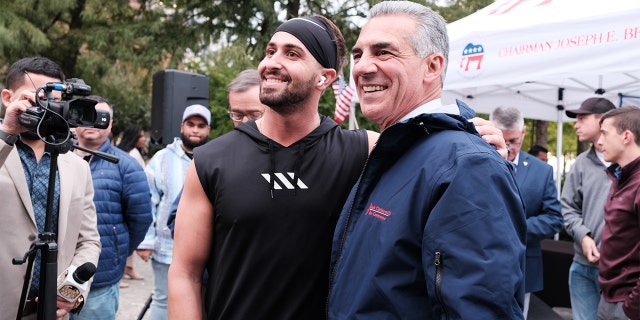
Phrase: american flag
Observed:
(344, 93)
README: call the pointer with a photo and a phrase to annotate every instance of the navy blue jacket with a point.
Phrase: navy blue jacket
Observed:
(540, 196)
(123, 205)
(434, 229)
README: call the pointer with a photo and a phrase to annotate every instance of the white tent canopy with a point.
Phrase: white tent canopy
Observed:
(521, 52)
(539, 54)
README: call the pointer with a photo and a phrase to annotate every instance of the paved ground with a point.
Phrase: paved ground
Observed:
(565, 313)
(132, 299)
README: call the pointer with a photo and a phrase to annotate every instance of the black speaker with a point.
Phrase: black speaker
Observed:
(172, 92)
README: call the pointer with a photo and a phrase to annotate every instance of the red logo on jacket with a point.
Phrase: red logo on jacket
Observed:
(378, 212)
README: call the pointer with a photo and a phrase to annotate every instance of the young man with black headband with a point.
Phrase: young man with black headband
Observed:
(260, 203)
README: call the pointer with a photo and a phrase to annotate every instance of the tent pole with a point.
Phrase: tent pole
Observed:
(559, 167)
(560, 171)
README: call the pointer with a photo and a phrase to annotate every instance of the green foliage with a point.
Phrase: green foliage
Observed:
(569, 140)
(113, 45)
(453, 10)
(124, 90)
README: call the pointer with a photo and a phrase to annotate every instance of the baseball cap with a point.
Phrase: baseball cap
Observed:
(197, 110)
(591, 105)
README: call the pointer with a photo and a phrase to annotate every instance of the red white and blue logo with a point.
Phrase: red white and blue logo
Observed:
(471, 60)
(378, 212)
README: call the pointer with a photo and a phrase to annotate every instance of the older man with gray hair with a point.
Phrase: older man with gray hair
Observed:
(434, 228)
(539, 193)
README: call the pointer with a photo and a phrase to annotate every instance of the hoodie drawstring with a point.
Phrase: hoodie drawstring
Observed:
(296, 166)
(272, 164)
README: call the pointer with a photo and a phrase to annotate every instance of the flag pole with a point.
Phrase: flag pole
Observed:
(353, 124)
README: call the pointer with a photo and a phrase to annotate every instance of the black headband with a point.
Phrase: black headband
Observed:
(316, 36)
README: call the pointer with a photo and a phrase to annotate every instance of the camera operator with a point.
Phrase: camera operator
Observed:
(24, 176)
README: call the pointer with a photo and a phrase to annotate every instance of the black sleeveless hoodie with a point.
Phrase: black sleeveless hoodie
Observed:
(275, 210)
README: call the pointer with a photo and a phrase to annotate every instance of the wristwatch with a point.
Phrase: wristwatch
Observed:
(8, 138)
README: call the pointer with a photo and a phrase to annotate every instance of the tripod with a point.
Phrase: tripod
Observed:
(46, 241)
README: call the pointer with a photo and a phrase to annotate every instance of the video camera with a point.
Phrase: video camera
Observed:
(49, 117)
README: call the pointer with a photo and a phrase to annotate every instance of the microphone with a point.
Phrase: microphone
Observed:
(70, 87)
(72, 283)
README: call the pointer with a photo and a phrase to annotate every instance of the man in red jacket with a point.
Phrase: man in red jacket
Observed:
(620, 245)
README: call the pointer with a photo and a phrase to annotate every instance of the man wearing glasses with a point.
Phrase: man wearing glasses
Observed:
(243, 95)
(538, 191)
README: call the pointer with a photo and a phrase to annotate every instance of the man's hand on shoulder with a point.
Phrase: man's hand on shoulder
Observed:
(491, 135)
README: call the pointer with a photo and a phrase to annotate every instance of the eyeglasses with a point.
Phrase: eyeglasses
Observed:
(238, 116)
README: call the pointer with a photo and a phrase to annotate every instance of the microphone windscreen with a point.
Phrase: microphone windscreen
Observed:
(84, 272)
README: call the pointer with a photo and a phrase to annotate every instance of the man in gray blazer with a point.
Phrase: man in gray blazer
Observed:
(24, 175)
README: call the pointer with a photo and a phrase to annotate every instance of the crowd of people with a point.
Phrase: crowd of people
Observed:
(289, 216)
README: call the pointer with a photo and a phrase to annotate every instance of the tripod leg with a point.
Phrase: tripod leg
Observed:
(146, 307)
(27, 279)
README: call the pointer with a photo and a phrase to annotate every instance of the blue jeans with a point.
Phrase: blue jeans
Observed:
(158, 310)
(584, 291)
(101, 304)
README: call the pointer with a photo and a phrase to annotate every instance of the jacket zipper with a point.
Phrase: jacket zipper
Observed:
(115, 242)
(438, 263)
(344, 236)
